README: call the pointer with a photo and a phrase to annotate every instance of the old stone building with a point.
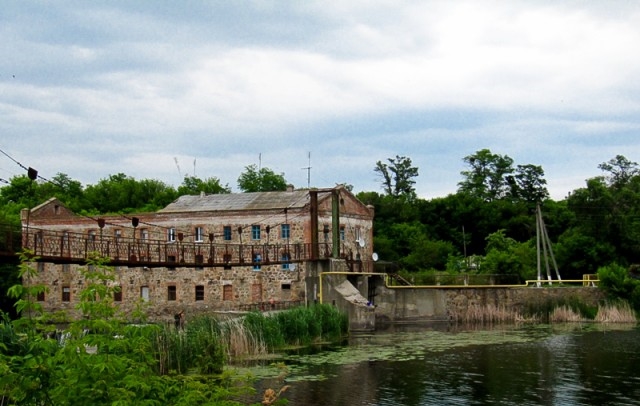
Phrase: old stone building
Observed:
(204, 253)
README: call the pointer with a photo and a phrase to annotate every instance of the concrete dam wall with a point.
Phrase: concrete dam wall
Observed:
(424, 304)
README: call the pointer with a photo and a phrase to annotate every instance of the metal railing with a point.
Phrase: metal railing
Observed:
(67, 247)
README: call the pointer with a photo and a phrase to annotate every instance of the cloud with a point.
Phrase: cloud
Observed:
(102, 88)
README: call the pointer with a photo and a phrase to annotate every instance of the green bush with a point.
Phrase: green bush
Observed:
(618, 284)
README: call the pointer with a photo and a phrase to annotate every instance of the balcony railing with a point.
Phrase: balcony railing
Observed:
(67, 247)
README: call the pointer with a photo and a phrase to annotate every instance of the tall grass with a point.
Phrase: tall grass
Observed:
(551, 311)
(489, 314)
(621, 312)
(206, 342)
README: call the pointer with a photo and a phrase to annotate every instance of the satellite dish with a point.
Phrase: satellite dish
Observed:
(374, 256)
(361, 243)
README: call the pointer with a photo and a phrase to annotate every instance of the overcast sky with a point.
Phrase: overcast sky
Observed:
(164, 89)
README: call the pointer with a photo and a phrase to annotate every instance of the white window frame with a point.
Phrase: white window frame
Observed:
(199, 234)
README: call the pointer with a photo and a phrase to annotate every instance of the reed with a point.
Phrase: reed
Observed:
(620, 312)
(567, 312)
(488, 314)
(206, 342)
(558, 310)
(564, 314)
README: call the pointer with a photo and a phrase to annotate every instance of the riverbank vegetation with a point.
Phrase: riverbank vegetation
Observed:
(100, 359)
(488, 226)
(551, 311)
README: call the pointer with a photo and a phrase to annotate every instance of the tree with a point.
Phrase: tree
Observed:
(19, 194)
(529, 184)
(487, 177)
(506, 256)
(121, 193)
(620, 170)
(64, 188)
(398, 176)
(192, 185)
(618, 283)
(261, 180)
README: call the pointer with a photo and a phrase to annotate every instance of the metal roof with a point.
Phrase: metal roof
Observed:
(240, 201)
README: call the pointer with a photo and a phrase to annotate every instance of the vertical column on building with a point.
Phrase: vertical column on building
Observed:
(313, 208)
(335, 218)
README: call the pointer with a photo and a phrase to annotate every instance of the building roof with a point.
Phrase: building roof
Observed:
(240, 201)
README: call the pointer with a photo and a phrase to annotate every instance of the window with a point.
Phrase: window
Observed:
(117, 294)
(65, 267)
(199, 293)
(199, 261)
(227, 233)
(199, 232)
(40, 267)
(341, 233)
(286, 291)
(171, 292)
(227, 292)
(285, 231)
(255, 232)
(144, 234)
(117, 234)
(285, 259)
(40, 297)
(66, 294)
(144, 293)
(92, 235)
(171, 234)
(257, 258)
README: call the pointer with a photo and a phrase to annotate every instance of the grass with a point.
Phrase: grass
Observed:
(206, 342)
(619, 312)
(616, 313)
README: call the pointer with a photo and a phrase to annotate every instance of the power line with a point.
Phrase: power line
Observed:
(11, 158)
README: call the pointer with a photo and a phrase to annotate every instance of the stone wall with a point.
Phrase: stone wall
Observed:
(219, 289)
(441, 304)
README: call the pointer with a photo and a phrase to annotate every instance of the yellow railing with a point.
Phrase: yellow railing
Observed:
(588, 280)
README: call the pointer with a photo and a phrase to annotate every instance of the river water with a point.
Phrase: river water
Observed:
(568, 364)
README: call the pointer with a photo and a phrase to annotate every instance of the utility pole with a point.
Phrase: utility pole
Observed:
(542, 239)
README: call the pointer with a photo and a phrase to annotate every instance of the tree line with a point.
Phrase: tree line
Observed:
(487, 226)
(491, 219)
(120, 193)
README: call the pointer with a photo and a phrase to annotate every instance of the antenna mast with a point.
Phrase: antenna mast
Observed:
(308, 169)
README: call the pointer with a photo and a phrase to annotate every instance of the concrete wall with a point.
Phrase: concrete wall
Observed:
(441, 304)
(345, 292)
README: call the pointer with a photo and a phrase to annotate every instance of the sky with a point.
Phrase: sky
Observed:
(317, 91)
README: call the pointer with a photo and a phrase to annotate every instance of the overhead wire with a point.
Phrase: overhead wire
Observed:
(33, 173)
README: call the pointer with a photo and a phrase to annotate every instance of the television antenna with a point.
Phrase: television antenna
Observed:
(308, 168)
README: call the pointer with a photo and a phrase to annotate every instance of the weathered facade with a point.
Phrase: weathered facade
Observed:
(203, 253)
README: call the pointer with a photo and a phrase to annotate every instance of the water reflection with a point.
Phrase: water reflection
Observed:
(443, 364)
